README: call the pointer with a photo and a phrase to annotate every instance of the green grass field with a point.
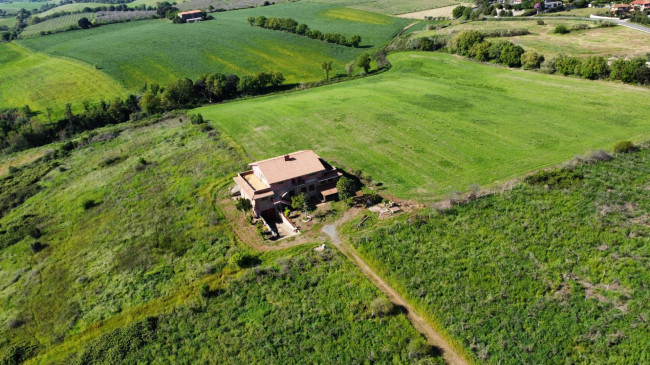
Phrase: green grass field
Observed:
(435, 123)
(613, 41)
(128, 53)
(539, 274)
(56, 24)
(150, 238)
(14, 7)
(392, 6)
(8, 22)
(580, 12)
(41, 81)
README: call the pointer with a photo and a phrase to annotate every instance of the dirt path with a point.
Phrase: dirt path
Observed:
(434, 338)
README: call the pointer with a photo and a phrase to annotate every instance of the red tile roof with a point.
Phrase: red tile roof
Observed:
(190, 12)
(290, 166)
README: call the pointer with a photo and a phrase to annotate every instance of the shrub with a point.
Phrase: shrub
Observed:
(346, 188)
(561, 29)
(566, 65)
(36, 246)
(88, 203)
(540, 22)
(480, 51)
(419, 348)
(381, 307)
(511, 55)
(458, 11)
(243, 260)
(624, 147)
(196, 119)
(594, 67)
(559, 178)
(204, 291)
(579, 27)
(531, 60)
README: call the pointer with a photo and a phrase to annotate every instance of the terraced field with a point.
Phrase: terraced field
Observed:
(41, 81)
(436, 123)
(127, 52)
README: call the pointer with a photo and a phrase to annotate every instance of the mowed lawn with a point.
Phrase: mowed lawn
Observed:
(141, 52)
(41, 81)
(436, 124)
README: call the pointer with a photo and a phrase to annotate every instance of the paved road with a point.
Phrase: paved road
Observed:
(434, 338)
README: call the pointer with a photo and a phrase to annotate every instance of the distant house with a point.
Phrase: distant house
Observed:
(191, 16)
(271, 183)
(516, 2)
(640, 5)
(552, 4)
(620, 9)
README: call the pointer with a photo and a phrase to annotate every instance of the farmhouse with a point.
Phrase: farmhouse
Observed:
(191, 16)
(620, 8)
(552, 4)
(640, 5)
(271, 183)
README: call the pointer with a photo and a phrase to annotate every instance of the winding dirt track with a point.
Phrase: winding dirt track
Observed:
(434, 338)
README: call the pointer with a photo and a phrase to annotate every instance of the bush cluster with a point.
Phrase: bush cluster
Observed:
(473, 44)
(292, 26)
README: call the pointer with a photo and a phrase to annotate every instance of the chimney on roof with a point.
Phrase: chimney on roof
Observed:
(286, 157)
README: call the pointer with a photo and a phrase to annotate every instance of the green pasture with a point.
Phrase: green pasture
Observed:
(611, 41)
(131, 55)
(391, 6)
(8, 22)
(436, 123)
(14, 7)
(580, 12)
(553, 273)
(56, 24)
(128, 228)
(41, 81)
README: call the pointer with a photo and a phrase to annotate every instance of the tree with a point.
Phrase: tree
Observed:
(480, 51)
(299, 202)
(458, 12)
(179, 94)
(251, 20)
(364, 62)
(327, 67)
(243, 205)
(84, 23)
(463, 42)
(418, 348)
(346, 188)
(349, 68)
(302, 29)
(355, 41)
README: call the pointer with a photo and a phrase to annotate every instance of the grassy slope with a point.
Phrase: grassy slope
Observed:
(391, 6)
(614, 41)
(56, 24)
(14, 7)
(128, 53)
(533, 275)
(9, 22)
(42, 81)
(436, 123)
(152, 239)
(71, 8)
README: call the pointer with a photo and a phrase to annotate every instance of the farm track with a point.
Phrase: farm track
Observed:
(434, 338)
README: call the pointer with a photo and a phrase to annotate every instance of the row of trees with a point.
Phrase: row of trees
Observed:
(472, 44)
(19, 130)
(292, 26)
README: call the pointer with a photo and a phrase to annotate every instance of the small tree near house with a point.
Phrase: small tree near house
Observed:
(243, 205)
(346, 188)
(299, 202)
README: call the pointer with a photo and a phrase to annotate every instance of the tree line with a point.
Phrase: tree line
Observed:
(19, 130)
(473, 44)
(292, 26)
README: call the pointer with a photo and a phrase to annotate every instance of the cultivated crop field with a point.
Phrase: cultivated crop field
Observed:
(72, 7)
(545, 273)
(392, 6)
(41, 81)
(435, 123)
(612, 41)
(226, 44)
(56, 24)
(123, 227)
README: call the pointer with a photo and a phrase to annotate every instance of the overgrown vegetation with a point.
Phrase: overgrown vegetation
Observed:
(534, 274)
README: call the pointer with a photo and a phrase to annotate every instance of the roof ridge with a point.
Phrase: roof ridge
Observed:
(278, 157)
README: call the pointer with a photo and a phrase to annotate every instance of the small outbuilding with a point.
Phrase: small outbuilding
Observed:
(191, 16)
